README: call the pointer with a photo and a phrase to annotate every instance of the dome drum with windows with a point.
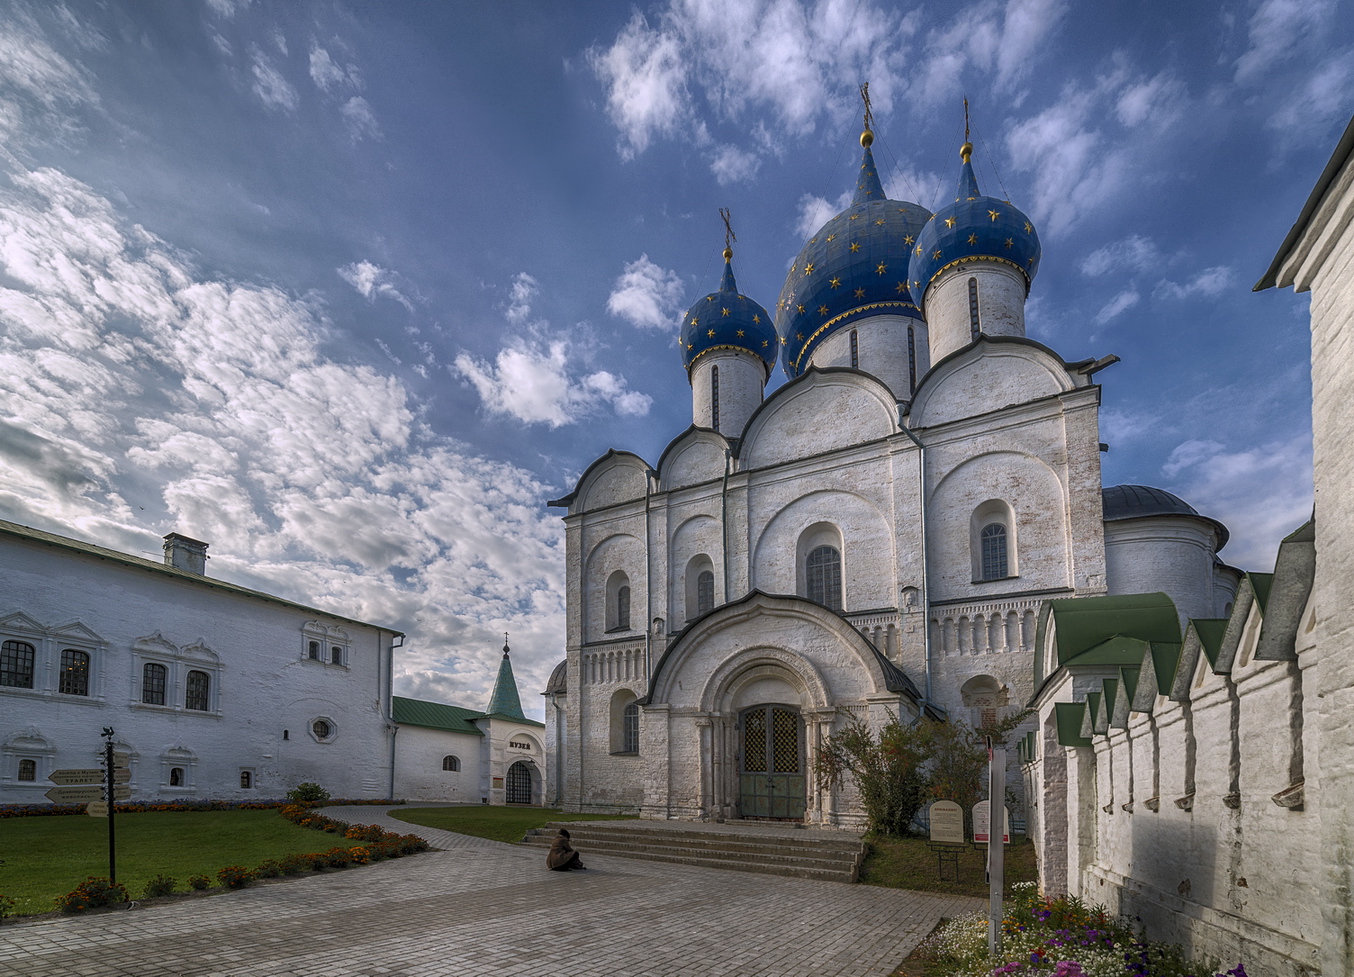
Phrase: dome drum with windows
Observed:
(855, 266)
(973, 228)
(727, 320)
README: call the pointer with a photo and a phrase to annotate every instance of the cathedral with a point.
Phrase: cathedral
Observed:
(872, 541)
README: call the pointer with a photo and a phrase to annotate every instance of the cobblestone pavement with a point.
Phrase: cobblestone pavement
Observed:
(484, 907)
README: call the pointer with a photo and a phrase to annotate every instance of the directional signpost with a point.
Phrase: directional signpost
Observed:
(96, 787)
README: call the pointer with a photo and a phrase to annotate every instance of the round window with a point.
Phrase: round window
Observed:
(321, 729)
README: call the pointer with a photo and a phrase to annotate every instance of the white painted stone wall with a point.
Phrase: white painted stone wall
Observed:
(1172, 554)
(742, 382)
(1001, 305)
(882, 348)
(419, 752)
(266, 695)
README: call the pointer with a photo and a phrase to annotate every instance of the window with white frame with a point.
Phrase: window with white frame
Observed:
(327, 644)
(42, 660)
(700, 586)
(26, 759)
(17, 659)
(992, 541)
(819, 574)
(154, 679)
(323, 729)
(176, 679)
(178, 769)
(74, 675)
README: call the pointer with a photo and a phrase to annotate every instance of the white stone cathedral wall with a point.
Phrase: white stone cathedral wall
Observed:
(1169, 554)
(742, 381)
(881, 350)
(1001, 305)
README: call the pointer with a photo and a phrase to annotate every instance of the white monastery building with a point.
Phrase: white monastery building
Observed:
(449, 753)
(214, 690)
(874, 539)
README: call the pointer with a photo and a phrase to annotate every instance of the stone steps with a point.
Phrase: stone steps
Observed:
(772, 850)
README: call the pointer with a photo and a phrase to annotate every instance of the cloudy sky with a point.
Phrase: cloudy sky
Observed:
(350, 289)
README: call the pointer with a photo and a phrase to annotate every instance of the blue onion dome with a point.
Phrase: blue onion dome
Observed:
(728, 320)
(974, 227)
(855, 266)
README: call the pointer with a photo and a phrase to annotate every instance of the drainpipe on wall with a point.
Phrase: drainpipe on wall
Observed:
(724, 520)
(925, 596)
(649, 476)
(390, 703)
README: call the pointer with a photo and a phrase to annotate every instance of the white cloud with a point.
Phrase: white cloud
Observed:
(328, 74)
(524, 289)
(814, 212)
(39, 83)
(1133, 254)
(646, 295)
(1210, 283)
(1157, 101)
(1323, 97)
(279, 40)
(730, 164)
(1278, 29)
(269, 84)
(1116, 306)
(1004, 40)
(531, 381)
(360, 120)
(227, 8)
(372, 280)
(645, 74)
(142, 397)
(1221, 483)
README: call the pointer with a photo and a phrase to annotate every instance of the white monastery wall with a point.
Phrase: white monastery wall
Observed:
(419, 773)
(265, 693)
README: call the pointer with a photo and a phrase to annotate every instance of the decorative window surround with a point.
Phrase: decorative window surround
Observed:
(28, 744)
(49, 644)
(325, 645)
(155, 649)
(322, 729)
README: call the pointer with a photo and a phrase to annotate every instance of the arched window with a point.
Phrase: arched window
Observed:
(28, 770)
(336, 655)
(153, 684)
(618, 602)
(705, 591)
(176, 776)
(630, 728)
(16, 664)
(623, 607)
(855, 351)
(198, 695)
(823, 576)
(994, 551)
(246, 780)
(714, 397)
(451, 763)
(74, 673)
(315, 650)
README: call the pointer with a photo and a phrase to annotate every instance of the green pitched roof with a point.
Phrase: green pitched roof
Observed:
(1261, 583)
(504, 701)
(1210, 631)
(1070, 715)
(434, 715)
(1083, 623)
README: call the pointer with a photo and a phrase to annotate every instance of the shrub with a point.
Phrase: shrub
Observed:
(412, 844)
(308, 793)
(338, 857)
(888, 773)
(92, 893)
(235, 876)
(161, 885)
(294, 864)
(269, 868)
(199, 882)
(6, 905)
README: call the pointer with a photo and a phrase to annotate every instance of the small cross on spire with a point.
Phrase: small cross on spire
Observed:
(865, 97)
(729, 235)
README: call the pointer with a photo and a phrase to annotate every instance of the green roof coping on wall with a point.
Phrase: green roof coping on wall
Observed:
(1117, 650)
(1210, 631)
(434, 715)
(1261, 583)
(1128, 678)
(1069, 716)
(1085, 622)
(1111, 686)
(1092, 710)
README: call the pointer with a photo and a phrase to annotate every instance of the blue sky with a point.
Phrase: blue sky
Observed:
(350, 289)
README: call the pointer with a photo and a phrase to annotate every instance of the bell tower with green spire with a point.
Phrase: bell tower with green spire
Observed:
(505, 701)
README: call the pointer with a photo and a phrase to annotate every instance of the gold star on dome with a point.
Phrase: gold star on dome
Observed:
(710, 333)
(764, 344)
(1010, 242)
(902, 210)
(694, 322)
(800, 308)
(949, 222)
(799, 336)
(854, 246)
(879, 223)
(688, 345)
(909, 240)
(782, 342)
(724, 311)
(881, 269)
(813, 240)
(902, 287)
(835, 282)
(757, 319)
(1027, 227)
(936, 255)
(832, 237)
(973, 239)
(1030, 262)
(740, 333)
(709, 298)
(860, 293)
(808, 269)
(822, 310)
(919, 249)
(868, 192)
(854, 217)
(994, 214)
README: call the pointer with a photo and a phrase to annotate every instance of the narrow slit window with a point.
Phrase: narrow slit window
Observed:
(855, 351)
(974, 326)
(630, 728)
(911, 361)
(705, 591)
(714, 397)
(623, 606)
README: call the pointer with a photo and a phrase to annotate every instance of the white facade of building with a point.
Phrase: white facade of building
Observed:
(214, 690)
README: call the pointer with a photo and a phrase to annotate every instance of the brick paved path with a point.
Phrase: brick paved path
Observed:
(483, 907)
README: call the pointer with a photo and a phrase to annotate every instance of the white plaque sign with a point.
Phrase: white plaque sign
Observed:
(947, 823)
(982, 824)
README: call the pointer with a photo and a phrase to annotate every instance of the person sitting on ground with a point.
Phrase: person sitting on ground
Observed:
(562, 857)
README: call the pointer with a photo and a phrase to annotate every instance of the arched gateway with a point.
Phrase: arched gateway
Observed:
(742, 700)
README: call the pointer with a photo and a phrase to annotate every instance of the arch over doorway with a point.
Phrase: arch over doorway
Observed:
(772, 767)
(520, 783)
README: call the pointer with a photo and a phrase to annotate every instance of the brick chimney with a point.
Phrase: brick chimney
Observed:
(185, 553)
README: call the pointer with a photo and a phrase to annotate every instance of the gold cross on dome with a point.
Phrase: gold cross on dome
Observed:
(729, 236)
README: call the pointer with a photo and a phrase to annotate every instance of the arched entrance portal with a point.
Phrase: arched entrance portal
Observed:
(771, 767)
(519, 783)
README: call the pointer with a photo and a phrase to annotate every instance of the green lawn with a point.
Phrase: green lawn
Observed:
(45, 857)
(497, 823)
(909, 863)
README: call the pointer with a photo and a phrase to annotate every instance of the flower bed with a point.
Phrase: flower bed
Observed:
(1060, 937)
